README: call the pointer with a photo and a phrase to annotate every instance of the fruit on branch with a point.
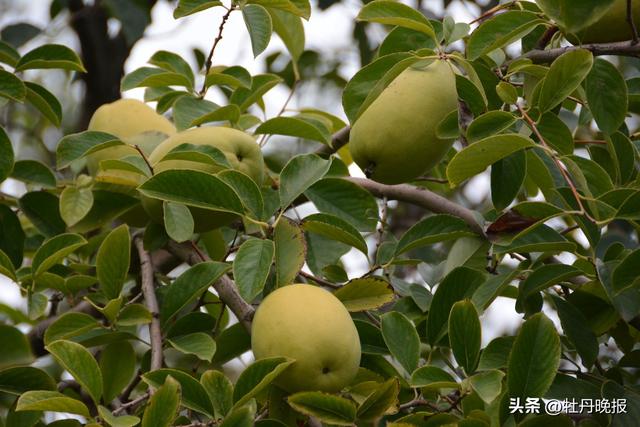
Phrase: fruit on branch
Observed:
(127, 119)
(241, 151)
(135, 123)
(310, 325)
(611, 27)
(394, 140)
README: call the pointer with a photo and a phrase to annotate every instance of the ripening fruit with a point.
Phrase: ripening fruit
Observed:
(310, 325)
(241, 150)
(612, 27)
(135, 123)
(126, 119)
(394, 140)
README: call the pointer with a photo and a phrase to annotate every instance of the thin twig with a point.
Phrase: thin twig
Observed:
(144, 157)
(209, 62)
(532, 124)
(632, 24)
(132, 403)
(151, 302)
(318, 280)
(626, 48)
(489, 13)
(381, 226)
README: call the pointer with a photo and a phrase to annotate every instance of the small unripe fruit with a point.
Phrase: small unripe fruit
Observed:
(310, 325)
(394, 140)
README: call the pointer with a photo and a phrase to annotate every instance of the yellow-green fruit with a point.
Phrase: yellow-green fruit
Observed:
(612, 27)
(394, 140)
(240, 149)
(125, 118)
(310, 325)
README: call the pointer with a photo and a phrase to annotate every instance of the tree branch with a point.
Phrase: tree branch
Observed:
(149, 292)
(338, 140)
(420, 197)
(626, 48)
(225, 287)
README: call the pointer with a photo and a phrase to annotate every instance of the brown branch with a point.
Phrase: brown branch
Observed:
(338, 140)
(420, 197)
(225, 287)
(209, 62)
(632, 24)
(149, 292)
(626, 48)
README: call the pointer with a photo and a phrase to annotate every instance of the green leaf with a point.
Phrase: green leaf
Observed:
(290, 30)
(51, 401)
(465, 334)
(112, 261)
(198, 153)
(402, 339)
(556, 133)
(172, 62)
(574, 15)
(459, 284)
(258, 22)
(6, 155)
(153, 77)
(220, 391)
(20, 379)
(118, 367)
(228, 112)
(565, 75)
(397, 14)
(335, 228)
(193, 394)
(534, 358)
(17, 350)
(75, 204)
(478, 156)
(6, 266)
(163, 405)
(297, 127)
(433, 229)
(251, 267)
(290, 251)
(300, 173)
(607, 95)
(545, 277)
(489, 124)
(45, 102)
(487, 384)
(78, 145)
(33, 172)
(121, 421)
(495, 354)
(432, 378)
(193, 188)
(257, 377)
(576, 327)
(53, 250)
(178, 221)
(260, 84)
(81, 365)
(626, 275)
(11, 87)
(199, 344)
(51, 56)
(380, 401)
(620, 148)
(233, 77)
(365, 293)
(346, 200)
(246, 189)
(188, 287)
(365, 80)
(8, 54)
(70, 325)
(325, 407)
(134, 314)
(540, 238)
(500, 31)
(189, 7)
(507, 177)
(189, 109)
(240, 417)
(43, 210)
